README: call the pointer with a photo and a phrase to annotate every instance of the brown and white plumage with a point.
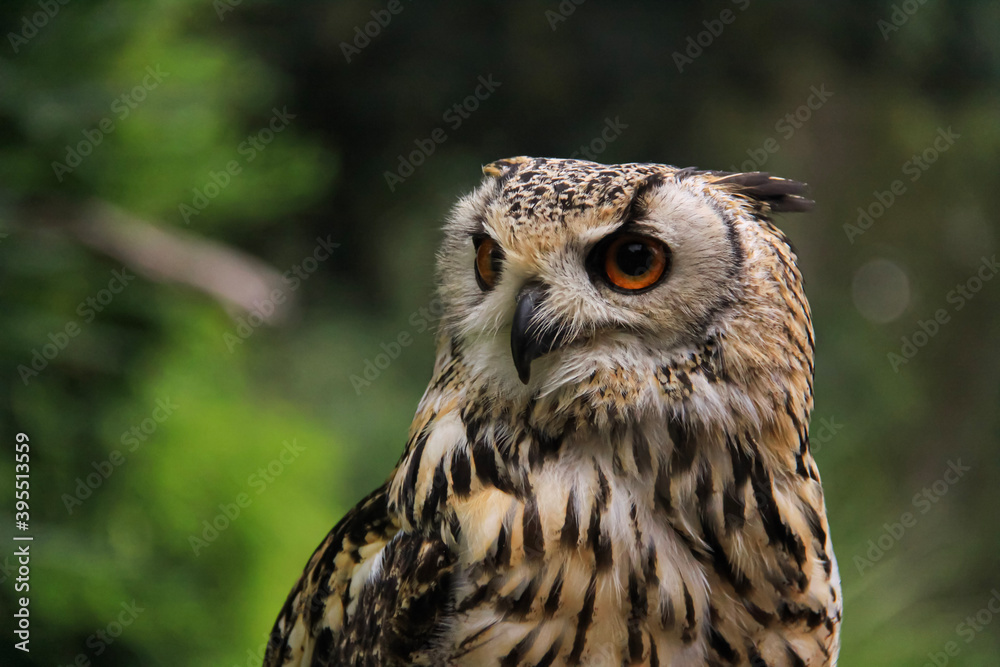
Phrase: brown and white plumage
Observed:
(596, 476)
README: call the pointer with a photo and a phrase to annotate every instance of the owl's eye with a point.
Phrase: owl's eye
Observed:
(489, 262)
(633, 263)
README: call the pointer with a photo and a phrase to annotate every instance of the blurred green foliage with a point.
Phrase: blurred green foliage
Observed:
(212, 75)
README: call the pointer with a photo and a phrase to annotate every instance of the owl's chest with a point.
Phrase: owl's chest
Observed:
(585, 570)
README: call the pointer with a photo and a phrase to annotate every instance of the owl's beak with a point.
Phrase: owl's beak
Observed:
(529, 338)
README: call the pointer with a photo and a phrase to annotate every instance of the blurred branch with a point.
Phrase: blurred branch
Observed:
(240, 282)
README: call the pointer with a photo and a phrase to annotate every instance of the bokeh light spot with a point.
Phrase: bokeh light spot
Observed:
(881, 290)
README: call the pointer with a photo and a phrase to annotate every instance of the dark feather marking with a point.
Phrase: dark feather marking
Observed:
(461, 473)
(583, 621)
(637, 616)
(661, 490)
(571, 524)
(649, 567)
(435, 495)
(519, 607)
(722, 647)
(486, 467)
(640, 452)
(636, 531)
(547, 446)
(777, 531)
(637, 206)
(522, 647)
(555, 592)
(684, 380)
(429, 562)
(764, 618)
(667, 616)
(321, 652)
(703, 490)
(827, 566)
(476, 598)
(501, 554)
(604, 490)
(551, 654)
(742, 463)
(815, 523)
(713, 360)
(687, 633)
(721, 563)
(413, 469)
(532, 533)
(800, 466)
(755, 658)
(600, 543)
(793, 658)
(793, 614)
(684, 446)
(733, 508)
(449, 372)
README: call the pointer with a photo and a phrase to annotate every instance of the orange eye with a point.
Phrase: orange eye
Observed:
(635, 263)
(489, 262)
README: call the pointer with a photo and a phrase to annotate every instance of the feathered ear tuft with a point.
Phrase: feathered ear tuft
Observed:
(777, 194)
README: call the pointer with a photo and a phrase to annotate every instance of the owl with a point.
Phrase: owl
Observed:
(611, 464)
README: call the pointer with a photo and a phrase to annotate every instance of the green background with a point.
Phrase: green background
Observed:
(890, 429)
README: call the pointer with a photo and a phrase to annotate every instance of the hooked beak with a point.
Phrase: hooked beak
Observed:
(530, 339)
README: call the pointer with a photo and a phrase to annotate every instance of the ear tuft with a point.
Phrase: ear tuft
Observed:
(779, 195)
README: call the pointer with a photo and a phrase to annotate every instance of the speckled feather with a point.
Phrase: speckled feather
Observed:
(648, 497)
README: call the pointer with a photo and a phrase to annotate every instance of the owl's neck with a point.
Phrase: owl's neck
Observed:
(468, 435)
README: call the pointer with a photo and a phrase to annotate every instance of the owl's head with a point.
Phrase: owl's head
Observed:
(633, 287)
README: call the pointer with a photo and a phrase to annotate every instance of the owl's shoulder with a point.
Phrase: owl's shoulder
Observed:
(370, 594)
